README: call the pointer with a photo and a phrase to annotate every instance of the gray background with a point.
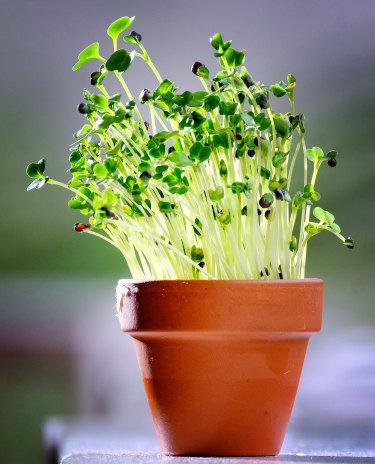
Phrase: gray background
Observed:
(60, 347)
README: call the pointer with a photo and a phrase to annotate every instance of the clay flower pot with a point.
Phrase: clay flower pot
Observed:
(220, 360)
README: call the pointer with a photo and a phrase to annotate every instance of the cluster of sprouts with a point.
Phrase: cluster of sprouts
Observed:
(202, 190)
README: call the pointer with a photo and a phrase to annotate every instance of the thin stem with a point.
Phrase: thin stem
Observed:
(147, 59)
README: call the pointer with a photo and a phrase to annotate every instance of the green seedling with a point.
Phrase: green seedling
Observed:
(202, 191)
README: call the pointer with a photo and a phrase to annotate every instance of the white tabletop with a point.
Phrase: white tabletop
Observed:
(99, 440)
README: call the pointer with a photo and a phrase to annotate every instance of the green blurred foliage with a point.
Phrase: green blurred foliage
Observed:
(34, 386)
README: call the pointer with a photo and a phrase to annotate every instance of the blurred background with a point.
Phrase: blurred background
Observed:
(61, 350)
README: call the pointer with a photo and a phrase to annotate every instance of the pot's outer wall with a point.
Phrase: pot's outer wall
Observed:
(221, 361)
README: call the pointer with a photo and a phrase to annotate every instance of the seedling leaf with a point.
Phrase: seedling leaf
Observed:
(119, 26)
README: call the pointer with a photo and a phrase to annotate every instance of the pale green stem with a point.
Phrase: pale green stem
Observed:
(147, 60)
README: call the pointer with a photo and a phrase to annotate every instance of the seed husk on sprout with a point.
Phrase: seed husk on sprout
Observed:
(94, 77)
(241, 97)
(332, 162)
(83, 108)
(79, 227)
(349, 243)
(266, 272)
(263, 101)
(279, 194)
(145, 94)
(145, 174)
(108, 213)
(195, 67)
(247, 81)
(263, 203)
(136, 35)
(251, 153)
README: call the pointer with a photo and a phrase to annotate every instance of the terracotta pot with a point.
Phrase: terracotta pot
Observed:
(220, 360)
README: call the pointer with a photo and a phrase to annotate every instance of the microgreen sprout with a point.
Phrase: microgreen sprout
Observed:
(202, 191)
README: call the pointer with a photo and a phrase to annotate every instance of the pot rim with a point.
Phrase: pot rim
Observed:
(231, 306)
